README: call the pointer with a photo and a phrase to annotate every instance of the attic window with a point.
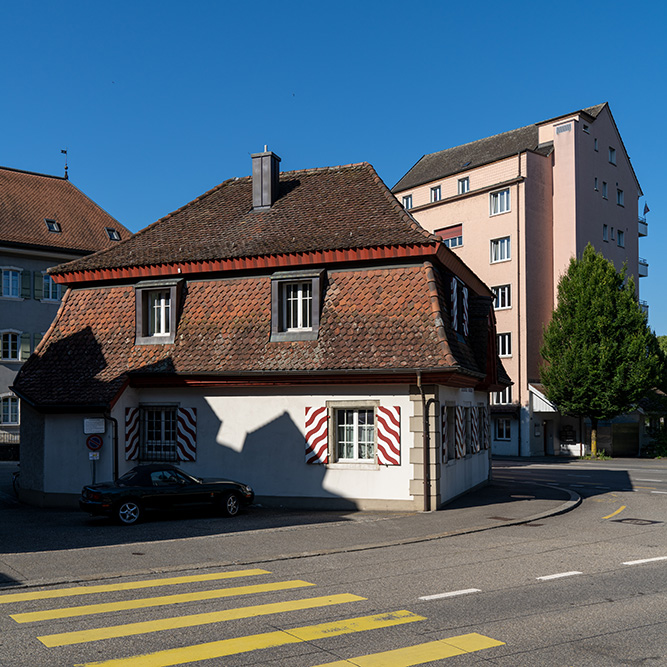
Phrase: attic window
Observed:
(295, 305)
(112, 233)
(156, 311)
(52, 225)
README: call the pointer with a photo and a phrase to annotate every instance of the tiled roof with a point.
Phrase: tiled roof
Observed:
(317, 209)
(26, 199)
(378, 319)
(476, 153)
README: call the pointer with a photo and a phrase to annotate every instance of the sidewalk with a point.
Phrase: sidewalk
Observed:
(39, 547)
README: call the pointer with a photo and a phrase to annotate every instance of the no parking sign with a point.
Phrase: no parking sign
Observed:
(94, 443)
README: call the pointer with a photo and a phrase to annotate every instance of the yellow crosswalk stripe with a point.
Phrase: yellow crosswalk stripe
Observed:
(143, 603)
(128, 629)
(126, 586)
(225, 647)
(421, 653)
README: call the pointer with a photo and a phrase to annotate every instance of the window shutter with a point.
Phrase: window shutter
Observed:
(389, 435)
(131, 434)
(26, 280)
(444, 434)
(455, 305)
(39, 284)
(186, 436)
(465, 310)
(474, 428)
(317, 435)
(487, 427)
(460, 432)
(25, 346)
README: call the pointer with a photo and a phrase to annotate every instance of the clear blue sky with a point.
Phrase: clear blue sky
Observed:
(157, 102)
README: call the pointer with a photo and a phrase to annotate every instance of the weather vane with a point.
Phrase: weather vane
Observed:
(64, 152)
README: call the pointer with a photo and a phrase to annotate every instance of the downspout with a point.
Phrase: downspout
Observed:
(425, 445)
(518, 305)
(114, 424)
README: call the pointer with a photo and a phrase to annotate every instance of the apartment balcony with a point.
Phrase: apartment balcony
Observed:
(643, 226)
(643, 268)
(644, 306)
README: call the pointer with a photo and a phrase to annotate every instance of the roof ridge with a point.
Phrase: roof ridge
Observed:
(33, 173)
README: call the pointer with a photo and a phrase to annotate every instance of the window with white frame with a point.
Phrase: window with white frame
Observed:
(502, 397)
(464, 185)
(11, 282)
(620, 239)
(9, 410)
(436, 193)
(407, 202)
(355, 434)
(159, 313)
(158, 433)
(156, 310)
(500, 202)
(503, 296)
(604, 189)
(612, 155)
(620, 197)
(297, 305)
(452, 236)
(503, 430)
(50, 290)
(504, 341)
(10, 345)
(605, 233)
(500, 249)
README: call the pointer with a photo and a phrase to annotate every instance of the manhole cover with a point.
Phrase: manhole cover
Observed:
(637, 522)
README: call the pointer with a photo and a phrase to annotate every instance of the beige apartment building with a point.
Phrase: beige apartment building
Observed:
(516, 207)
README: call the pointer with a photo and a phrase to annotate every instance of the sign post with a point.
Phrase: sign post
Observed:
(94, 444)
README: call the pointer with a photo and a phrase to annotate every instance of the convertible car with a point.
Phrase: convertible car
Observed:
(162, 487)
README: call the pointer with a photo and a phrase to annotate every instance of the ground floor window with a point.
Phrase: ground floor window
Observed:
(503, 428)
(355, 434)
(9, 410)
(158, 433)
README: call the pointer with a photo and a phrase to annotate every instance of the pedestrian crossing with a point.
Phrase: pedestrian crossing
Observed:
(91, 644)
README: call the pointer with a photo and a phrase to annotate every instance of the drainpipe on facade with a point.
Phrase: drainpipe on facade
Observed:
(518, 305)
(425, 445)
(114, 424)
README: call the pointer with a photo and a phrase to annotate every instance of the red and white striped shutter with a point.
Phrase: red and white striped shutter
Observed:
(131, 434)
(474, 428)
(487, 427)
(317, 438)
(465, 310)
(389, 435)
(444, 434)
(455, 305)
(186, 434)
(460, 432)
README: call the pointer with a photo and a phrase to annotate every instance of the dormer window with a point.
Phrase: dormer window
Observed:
(156, 310)
(52, 225)
(112, 233)
(295, 305)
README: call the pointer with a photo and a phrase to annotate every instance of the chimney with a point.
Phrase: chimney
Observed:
(265, 172)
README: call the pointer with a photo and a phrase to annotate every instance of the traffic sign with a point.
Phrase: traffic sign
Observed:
(94, 443)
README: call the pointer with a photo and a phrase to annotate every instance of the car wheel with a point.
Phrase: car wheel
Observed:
(230, 504)
(128, 512)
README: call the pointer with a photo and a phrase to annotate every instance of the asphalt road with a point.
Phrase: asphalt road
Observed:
(588, 587)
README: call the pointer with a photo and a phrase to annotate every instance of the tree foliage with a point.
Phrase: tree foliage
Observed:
(601, 357)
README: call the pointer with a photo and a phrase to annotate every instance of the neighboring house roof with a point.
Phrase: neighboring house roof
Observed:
(483, 151)
(317, 209)
(27, 199)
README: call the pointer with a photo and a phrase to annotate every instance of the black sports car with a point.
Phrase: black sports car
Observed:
(162, 487)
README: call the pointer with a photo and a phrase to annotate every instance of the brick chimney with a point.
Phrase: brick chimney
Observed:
(265, 172)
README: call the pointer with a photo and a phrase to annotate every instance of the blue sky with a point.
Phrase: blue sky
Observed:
(157, 102)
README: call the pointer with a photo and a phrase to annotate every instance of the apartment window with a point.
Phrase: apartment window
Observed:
(604, 189)
(620, 198)
(504, 344)
(452, 236)
(156, 310)
(503, 428)
(11, 283)
(355, 434)
(595, 144)
(9, 410)
(596, 184)
(620, 239)
(50, 290)
(158, 433)
(500, 250)
(586, 128)
(436, 193)
(295, 305)
(10, 345)
(605, 233)
(503, 296)
(113, 234)
(52, 225)
(500, 202)
(464, 185)
(503, 397)
(407, 202)
(612, 155)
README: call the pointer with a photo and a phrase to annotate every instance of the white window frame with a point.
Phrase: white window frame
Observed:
(620, 238)
(159, 313)
(49, 288)
(355, 429)
(9, 410)
(503, 299)
(11, 334)
(500, 202)
(612, 155)
(436, 194)
(503, 397)
(8, 283)
(407, 202)
(504, 343)
(620, 197)
(501, 250)
(463, 185)
(296, 305)
(502, 428)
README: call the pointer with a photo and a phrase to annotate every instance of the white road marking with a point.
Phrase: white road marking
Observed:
(558, 576)
(451, 594)
(649, 480)
(645, 560)
(658, 491)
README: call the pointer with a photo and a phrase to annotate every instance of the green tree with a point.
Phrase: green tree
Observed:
(601, 357)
